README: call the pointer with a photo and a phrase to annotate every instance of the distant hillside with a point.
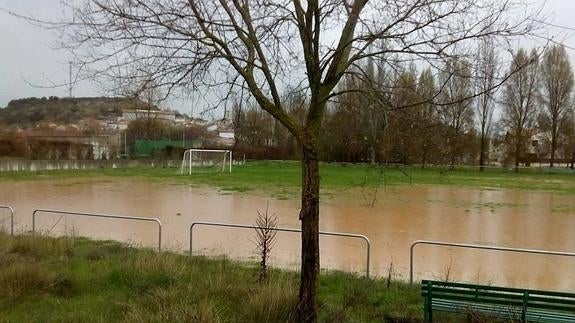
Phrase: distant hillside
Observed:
(27, 112)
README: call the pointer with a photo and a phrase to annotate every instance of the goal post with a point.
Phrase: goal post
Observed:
(219, 160)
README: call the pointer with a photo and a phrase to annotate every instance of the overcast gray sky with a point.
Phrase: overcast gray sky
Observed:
(27, 55)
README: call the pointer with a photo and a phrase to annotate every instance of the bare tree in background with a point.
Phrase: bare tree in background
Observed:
(403, 124)
(260, 136)
(486, 74)
(257, 48)
(457, 111)
(519, 101)
(371, 107)
(362, 105)
(557, 86)
(428, 116)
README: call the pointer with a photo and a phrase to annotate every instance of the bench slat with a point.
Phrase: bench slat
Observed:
(498, 288)
(474, 300)
(511, 313)
(549, 306)
(473, 292)
(539, 299)
(533, 301)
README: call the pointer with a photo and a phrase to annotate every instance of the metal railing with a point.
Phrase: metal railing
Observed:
(108, 216)
(327, 233)
(482, 247)
(11, 210)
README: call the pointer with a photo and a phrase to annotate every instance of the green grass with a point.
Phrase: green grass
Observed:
(74, 279)
(283, 179)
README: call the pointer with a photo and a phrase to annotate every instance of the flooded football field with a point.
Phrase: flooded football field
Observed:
(393, 218)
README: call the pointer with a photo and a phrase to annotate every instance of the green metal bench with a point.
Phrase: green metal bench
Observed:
(503, 303)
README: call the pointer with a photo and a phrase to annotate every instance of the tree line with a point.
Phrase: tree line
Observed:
(474, 111)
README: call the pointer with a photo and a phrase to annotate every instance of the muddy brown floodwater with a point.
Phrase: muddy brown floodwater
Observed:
(392, 219)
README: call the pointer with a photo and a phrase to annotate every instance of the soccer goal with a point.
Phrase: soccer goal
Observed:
(206, 160)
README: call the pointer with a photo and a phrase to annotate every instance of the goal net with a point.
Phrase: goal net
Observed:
(206, 160)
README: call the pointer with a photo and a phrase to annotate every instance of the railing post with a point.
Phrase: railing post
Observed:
(34, 222)
(11, 221)
(411, 262)
(11, 210)
(191, 237)
(368, 257)
(159, 237)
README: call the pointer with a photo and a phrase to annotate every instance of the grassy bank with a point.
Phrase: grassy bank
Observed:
(71, 279)
(284, 178)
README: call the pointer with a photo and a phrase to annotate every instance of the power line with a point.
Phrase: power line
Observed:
(551, 40)
(555, 25)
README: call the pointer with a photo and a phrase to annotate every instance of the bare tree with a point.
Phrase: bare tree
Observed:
(486, 74)
(259, 135)
(457, 112)
(557, 86)
(373, 114)
(256, 48)
(428, 116)
(403, 124)
(360, 110)
(266, 225)
(519, 106)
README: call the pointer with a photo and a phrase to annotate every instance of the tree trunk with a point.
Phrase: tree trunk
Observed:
(309, 217)
(553, 148)
(517, 153)
(554, 126)
(482, 153)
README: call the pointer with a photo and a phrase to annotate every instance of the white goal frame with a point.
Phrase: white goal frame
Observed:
(188, 157)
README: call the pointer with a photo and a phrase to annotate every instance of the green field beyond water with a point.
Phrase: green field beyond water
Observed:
(280, 178)
(77, 280)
